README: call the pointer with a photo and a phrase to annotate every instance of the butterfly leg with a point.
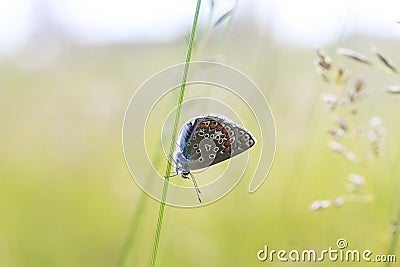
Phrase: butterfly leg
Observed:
(184, 175)
(173, 175)
(176, 169)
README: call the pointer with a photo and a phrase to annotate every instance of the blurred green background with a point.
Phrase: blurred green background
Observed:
(67, 198)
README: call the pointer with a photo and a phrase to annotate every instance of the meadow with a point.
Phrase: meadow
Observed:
(67, 197)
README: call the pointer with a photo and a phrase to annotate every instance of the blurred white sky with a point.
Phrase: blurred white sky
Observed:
(312, 22)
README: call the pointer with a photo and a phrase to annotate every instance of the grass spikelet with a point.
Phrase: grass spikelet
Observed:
(393, 89)
(353, 55)
(223, 18)
(342, 102)
(385, 60)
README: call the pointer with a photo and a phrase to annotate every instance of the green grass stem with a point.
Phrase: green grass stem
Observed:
(175, 130)
(394, 239)
(125, 259)
(395, 234)
(127, 251)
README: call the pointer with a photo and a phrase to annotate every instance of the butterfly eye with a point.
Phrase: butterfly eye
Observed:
(206, 135)
(195, 145)
(212, 156)
(200, 159)
(216, 149)
(246, 137)
(231, 133)
(198, 151)
(212, 136)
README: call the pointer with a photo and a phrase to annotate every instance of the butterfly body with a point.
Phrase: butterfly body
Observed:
(208, 140)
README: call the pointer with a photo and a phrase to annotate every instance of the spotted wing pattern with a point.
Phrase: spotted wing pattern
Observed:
(209, 140)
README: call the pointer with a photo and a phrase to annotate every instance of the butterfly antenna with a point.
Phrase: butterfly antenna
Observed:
(197, 188)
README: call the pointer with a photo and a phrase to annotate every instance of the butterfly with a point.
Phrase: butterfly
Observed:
(208, 140)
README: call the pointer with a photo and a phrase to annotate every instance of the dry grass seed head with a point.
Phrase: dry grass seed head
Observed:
(353, 55)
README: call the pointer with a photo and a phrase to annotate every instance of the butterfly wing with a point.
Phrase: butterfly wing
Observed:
(213, 139)
(236, 139)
